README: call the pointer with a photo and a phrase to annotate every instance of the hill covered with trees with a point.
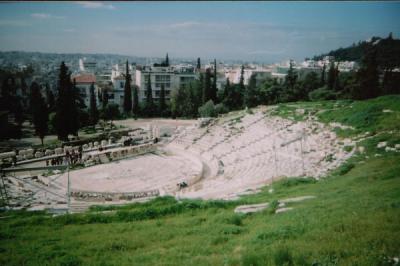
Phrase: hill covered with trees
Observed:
(388, 51)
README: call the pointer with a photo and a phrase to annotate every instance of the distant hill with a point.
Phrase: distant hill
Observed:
(388, 51)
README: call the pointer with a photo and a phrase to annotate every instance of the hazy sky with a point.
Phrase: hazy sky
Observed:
(264, 31)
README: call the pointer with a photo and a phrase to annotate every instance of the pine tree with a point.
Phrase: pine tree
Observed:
(368, 76)
(162, 100)
(135, 106)
(127, 91)
(40, 115)
(198, 64)
(93, 112)
(214, 86)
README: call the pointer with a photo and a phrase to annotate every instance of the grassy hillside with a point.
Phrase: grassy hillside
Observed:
(354, 219)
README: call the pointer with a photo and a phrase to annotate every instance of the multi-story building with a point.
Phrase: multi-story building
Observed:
(170, 77)
(87, 66)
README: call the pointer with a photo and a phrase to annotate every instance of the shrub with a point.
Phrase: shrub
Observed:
(221, 109)
(282, 256)
(231, 230)
(235, 220)
(207, 110)
(344, 169)
(70, 260)
(322, 94)
(273, 206)
(291, 182)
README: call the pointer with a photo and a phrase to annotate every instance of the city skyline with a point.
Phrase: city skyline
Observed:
(252, 31)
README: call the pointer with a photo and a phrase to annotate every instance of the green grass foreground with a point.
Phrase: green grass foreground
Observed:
(354, 219)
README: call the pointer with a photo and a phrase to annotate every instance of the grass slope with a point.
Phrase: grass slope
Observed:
(355, 219)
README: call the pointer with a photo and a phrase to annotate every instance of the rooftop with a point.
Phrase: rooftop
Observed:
(85, 78)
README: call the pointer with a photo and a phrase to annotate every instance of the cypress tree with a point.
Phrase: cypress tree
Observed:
(104, 100)
(323, 75)
(135, 106)
(207, 86)
(162, 100)
(198, 64)
(226, 89)
(149, 97)
(61, 119)
(241, 81)
(127, 91)
(93, 112)
(74, 104)
(50, 100)
(214, 86)
(331, 76)
(336, 85)
(40, 115)
(167, 60)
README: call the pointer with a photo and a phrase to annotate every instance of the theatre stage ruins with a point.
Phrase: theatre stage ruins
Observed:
(219, 158)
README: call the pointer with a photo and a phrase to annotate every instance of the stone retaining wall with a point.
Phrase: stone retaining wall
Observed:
(112, 196)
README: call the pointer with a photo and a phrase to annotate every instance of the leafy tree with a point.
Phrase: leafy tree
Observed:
(250, 94)
(110, 112)
(322, 93)
(290, 83)
(273, 92)
(93, 112)
(40, 115)
(196, 88)
(127, 91)
(207, 110)
(309, 84)
(182, 102)
(234, 99)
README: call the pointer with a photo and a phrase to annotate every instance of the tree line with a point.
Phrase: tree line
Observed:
(65, 113)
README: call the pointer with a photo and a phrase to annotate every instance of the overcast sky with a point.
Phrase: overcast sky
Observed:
(263, 31)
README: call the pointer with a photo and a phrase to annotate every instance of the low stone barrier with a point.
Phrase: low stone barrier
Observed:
(112, 196)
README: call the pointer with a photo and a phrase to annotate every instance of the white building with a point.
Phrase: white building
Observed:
(87, 66)
(170, 77)
(83, 84)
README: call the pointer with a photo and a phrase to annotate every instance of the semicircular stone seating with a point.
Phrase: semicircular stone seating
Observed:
(251, 151)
